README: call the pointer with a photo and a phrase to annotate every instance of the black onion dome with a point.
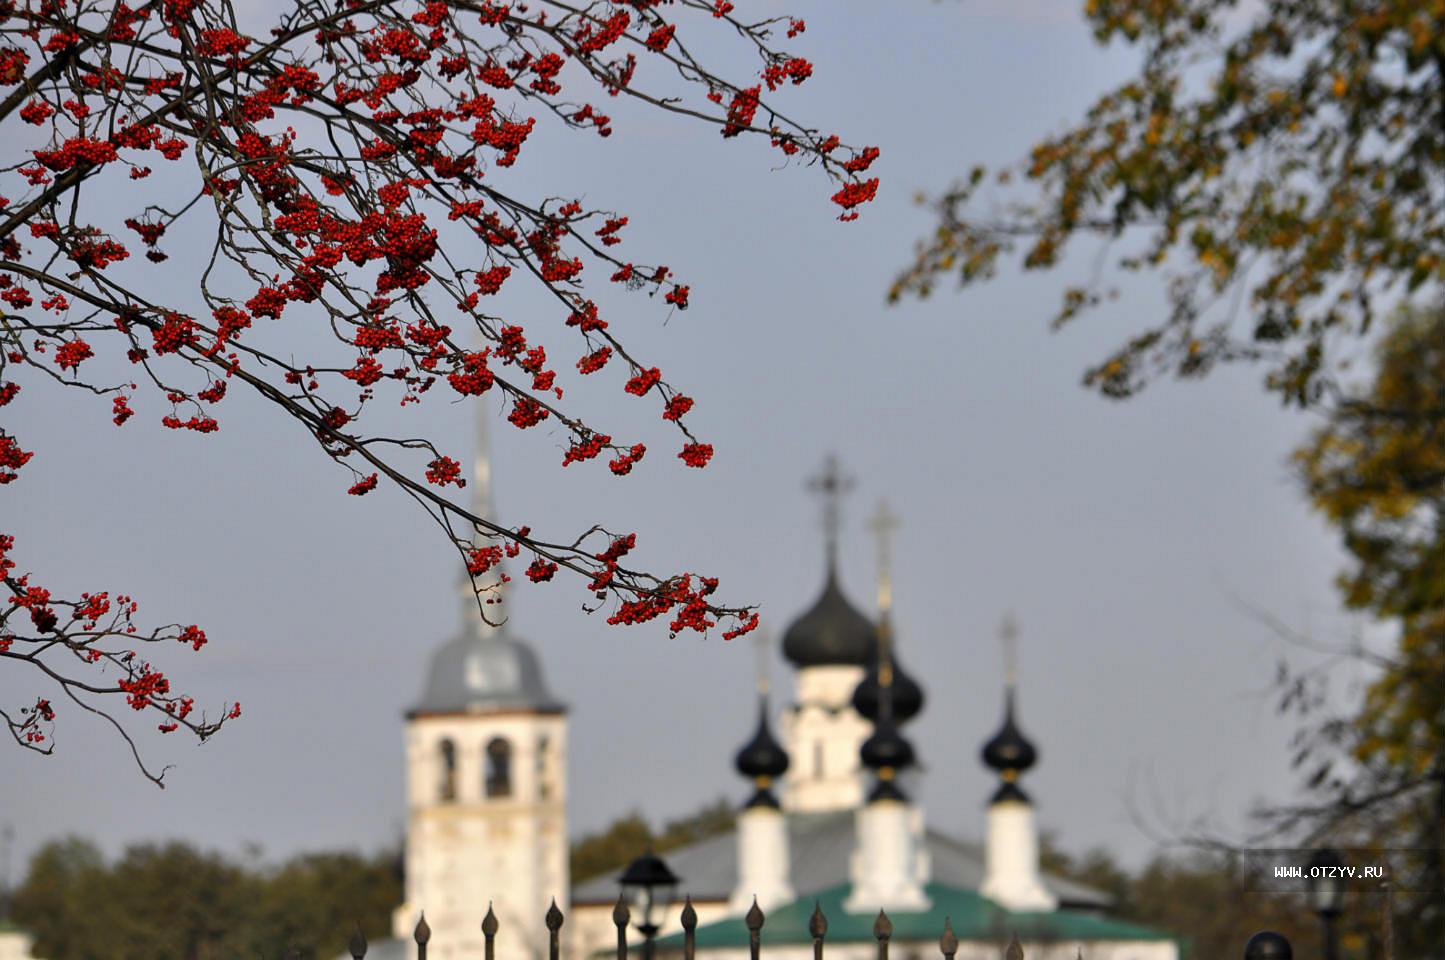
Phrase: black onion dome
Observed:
(1009, 750)
(833, 632)
(907, 694)
(1007, 791)
(762, 756)
(886, 749)
(887, 790)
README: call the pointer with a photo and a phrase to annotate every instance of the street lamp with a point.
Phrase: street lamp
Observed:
(648, 885)
(1327, 894)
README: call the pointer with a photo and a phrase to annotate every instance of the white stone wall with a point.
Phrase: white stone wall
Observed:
(508, 851)
(822, 734)
(15, 945)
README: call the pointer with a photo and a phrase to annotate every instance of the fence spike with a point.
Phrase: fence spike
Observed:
(948, 943)
(554, 925)
(358, 943)
(620, 916)
(689, 914)
(883, 930)
(422, 933)
(755, 920)
(1015, 949)
(818, 927)
(620, 913)
(689, 929)
(489, 933)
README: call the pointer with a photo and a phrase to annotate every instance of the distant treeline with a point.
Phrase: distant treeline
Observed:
(174, 902)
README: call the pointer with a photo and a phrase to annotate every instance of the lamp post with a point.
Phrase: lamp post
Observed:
(1327, 895)
(648, 885)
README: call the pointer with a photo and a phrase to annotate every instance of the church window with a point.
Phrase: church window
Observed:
(449, 771)
(818, 759)
(498, 782)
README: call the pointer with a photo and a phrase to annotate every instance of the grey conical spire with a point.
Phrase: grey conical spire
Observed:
(483, 505)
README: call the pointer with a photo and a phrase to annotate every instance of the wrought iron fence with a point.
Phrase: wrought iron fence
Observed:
(1265, 945)
(622, 917)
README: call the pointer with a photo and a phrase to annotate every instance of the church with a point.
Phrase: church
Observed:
(828, 820)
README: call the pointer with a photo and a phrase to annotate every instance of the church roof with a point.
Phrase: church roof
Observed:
(484, 671)
(819, 848)
(832, 632)
(974, 917)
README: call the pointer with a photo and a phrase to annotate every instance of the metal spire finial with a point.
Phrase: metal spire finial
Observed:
(482, 504)
(884, 523)
(831, 484)
(763, 640)
(1008, 632)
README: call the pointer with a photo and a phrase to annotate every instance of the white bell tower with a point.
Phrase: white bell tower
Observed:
(486, 760)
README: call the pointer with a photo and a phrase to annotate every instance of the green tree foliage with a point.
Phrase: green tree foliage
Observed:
(1213, 901)
(1096, 868)
(173, 902)
(1282, 163)
(613, 847)
(1376, 470)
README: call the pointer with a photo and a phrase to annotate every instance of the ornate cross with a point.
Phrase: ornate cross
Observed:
(831, 484)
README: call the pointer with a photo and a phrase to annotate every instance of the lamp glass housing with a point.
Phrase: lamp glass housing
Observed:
(648, 885)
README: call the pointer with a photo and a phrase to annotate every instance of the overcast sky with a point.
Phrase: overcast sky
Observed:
(1125, 537)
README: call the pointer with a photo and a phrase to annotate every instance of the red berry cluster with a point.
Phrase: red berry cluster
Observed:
(696, 454)
(623, 463)
(445, 470)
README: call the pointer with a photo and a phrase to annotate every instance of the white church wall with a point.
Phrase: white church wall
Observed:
(763, 867)
(822, 734)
